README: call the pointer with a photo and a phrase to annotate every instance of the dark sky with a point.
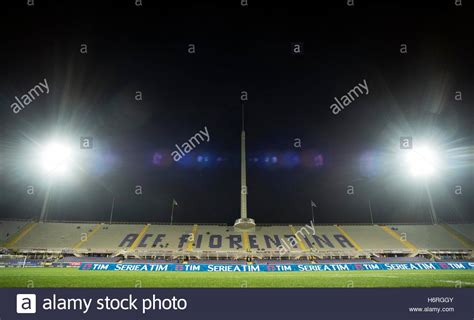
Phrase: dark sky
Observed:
(238, 48)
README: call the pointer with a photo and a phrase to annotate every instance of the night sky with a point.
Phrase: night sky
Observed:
(238, 48)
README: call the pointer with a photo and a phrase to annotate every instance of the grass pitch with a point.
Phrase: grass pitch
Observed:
(74, 278)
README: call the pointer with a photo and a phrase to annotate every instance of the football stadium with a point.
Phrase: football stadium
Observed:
(55, 252)
(128, 247)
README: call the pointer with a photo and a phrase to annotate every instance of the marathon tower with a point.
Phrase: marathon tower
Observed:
(243, 223)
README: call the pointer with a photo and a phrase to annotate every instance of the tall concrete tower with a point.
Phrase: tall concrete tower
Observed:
(243, 223)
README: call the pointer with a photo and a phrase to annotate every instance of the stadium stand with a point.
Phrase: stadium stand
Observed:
(10, 228)
(109, 237)
(429, 237)
(464, 230)
(209, 242)
(373, 238)
(176, 237)
(52, 236)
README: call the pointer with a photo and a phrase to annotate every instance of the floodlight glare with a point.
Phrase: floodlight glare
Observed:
(55, 158)
(422, 161)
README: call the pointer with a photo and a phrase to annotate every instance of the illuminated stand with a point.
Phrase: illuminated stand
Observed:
(243, 223)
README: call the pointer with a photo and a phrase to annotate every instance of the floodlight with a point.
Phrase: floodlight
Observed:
(422, 161)
(55, 158)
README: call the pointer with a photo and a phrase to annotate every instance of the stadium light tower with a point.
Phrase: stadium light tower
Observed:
(244, 223)
(55, 161)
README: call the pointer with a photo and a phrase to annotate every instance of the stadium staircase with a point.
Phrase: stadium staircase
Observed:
(468, 243)
(20, 234)
(88, 236)
(138, 239)
(354, 243)
(407, 244)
